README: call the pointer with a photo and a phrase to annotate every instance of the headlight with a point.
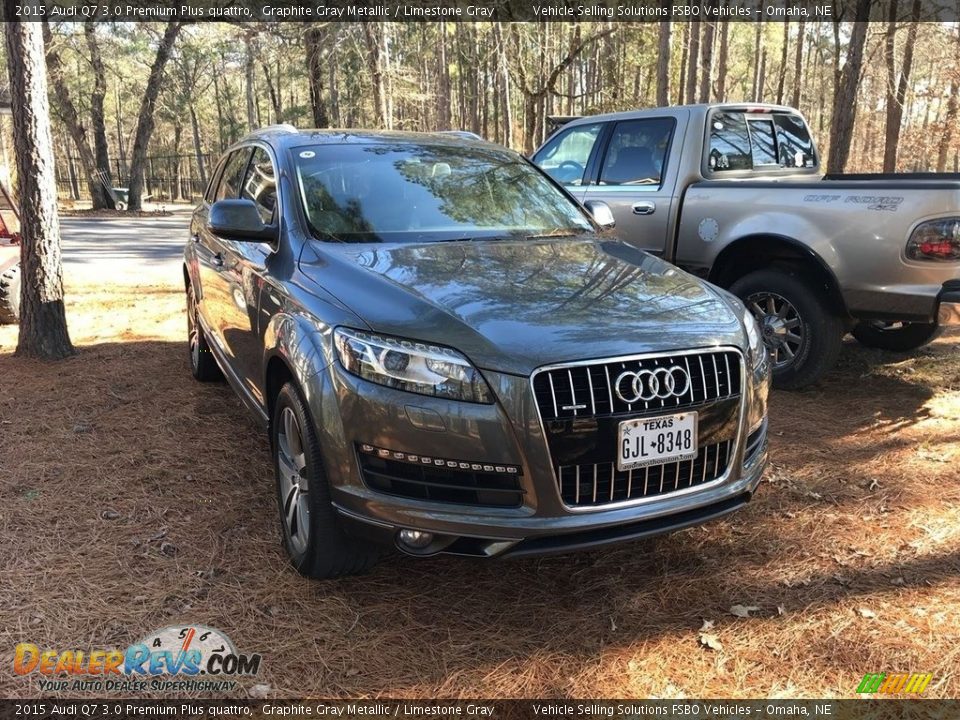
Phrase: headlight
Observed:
(758, 350)
(411, 366)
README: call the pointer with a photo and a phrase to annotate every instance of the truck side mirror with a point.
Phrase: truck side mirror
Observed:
(601, 214)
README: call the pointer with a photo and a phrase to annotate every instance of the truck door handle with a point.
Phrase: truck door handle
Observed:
(644, 208)
(218, 260)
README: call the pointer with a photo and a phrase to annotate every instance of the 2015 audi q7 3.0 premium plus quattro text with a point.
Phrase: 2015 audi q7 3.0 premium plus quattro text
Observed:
(451, 356)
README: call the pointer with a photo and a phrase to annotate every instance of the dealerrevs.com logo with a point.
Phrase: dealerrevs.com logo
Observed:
(175, 658)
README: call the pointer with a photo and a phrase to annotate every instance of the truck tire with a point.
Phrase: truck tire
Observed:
(10, 295)
(804, 336)
(898, 337)
(316, 544)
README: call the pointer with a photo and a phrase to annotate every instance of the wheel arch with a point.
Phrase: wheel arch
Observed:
(762, 250)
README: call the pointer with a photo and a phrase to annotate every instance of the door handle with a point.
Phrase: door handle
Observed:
(195, 238)
(644, 208)
(218, 260)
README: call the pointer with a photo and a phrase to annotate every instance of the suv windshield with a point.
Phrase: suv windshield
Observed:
(404, 192)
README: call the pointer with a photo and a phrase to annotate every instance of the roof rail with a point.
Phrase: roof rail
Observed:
(282, 127)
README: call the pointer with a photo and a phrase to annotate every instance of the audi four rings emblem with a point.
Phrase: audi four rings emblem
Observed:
(660, 383)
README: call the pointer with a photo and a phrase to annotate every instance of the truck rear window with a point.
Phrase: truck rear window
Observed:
(741, 141)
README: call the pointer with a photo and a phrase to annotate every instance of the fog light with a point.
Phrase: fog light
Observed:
(416, 539)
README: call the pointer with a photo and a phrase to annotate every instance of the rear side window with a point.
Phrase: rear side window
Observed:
(740, 141)
(637, 152)
(232, 174)
(565, 156)
(260, 184)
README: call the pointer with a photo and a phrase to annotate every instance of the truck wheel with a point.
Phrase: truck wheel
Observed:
(797, 326)
(10, 296)
(898, 337)
(202, 363)
(316, 544)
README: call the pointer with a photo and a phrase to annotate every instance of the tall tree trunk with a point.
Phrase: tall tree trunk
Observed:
(844, 102)
(950, 124)
(43, 321)
(693, 55)
(375, 65)
(71, 119)
(198, 145)
(706, 62)
(897, 86)
(755, 94)
(684, 45)
(722, 62)
(249, 68)
(782, 77)
(798, 64)
(503, 74)
(663, 65)
(101, 150)
(313, 44)
(145, 117)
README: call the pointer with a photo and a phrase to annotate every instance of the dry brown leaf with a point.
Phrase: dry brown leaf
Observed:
(711, 641)
(743, 611)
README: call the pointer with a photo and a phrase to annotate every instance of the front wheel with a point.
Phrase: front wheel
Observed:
(898, 337)
(316, 544)
(202, 363)
(801, 333)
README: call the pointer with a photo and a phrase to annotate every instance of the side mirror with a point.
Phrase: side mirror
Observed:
(601, 213)
(239, 220)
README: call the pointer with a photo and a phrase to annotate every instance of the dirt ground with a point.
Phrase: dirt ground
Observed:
(132, 498)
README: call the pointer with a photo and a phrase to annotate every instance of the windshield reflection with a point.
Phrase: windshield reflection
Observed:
(406, 192)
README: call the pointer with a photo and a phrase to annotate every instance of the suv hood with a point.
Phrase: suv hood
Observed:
(511, 306)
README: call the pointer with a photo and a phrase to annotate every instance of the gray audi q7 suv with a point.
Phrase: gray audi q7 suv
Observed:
(452, 356)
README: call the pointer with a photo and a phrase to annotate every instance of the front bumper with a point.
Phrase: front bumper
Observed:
(352, 412)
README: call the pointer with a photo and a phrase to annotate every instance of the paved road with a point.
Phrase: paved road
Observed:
(138, 251)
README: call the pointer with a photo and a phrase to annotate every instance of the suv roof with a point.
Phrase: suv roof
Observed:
(289, 136)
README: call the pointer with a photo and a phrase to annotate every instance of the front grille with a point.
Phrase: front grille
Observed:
(592, 484)
(437, 484)
(584, 391)
(581, 413)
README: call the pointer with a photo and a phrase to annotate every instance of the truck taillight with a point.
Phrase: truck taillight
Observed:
(935, 240)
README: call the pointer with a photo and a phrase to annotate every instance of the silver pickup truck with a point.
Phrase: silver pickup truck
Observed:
(734, 194)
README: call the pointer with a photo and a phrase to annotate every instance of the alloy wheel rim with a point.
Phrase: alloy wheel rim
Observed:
(294, 485)
(781, 327)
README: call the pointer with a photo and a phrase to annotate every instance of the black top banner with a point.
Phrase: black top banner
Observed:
(473, 11)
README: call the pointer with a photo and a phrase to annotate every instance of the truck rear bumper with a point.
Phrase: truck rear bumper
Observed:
(948, 311)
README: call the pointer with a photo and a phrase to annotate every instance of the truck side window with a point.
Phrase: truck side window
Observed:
(793, 139)
(637, 151)
(729, 143)
(565, 156)
(260, 184)
(232, 173)
(763, 144)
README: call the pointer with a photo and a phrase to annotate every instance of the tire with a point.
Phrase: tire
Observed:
(10, 295)
(203, 365)
(316, 544)
(897, 337)
(787, 306)
(120, 206)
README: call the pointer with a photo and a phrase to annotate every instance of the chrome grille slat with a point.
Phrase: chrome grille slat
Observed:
(715, 376)
(709, 465)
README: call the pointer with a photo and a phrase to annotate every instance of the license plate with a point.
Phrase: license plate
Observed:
(656, 440)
